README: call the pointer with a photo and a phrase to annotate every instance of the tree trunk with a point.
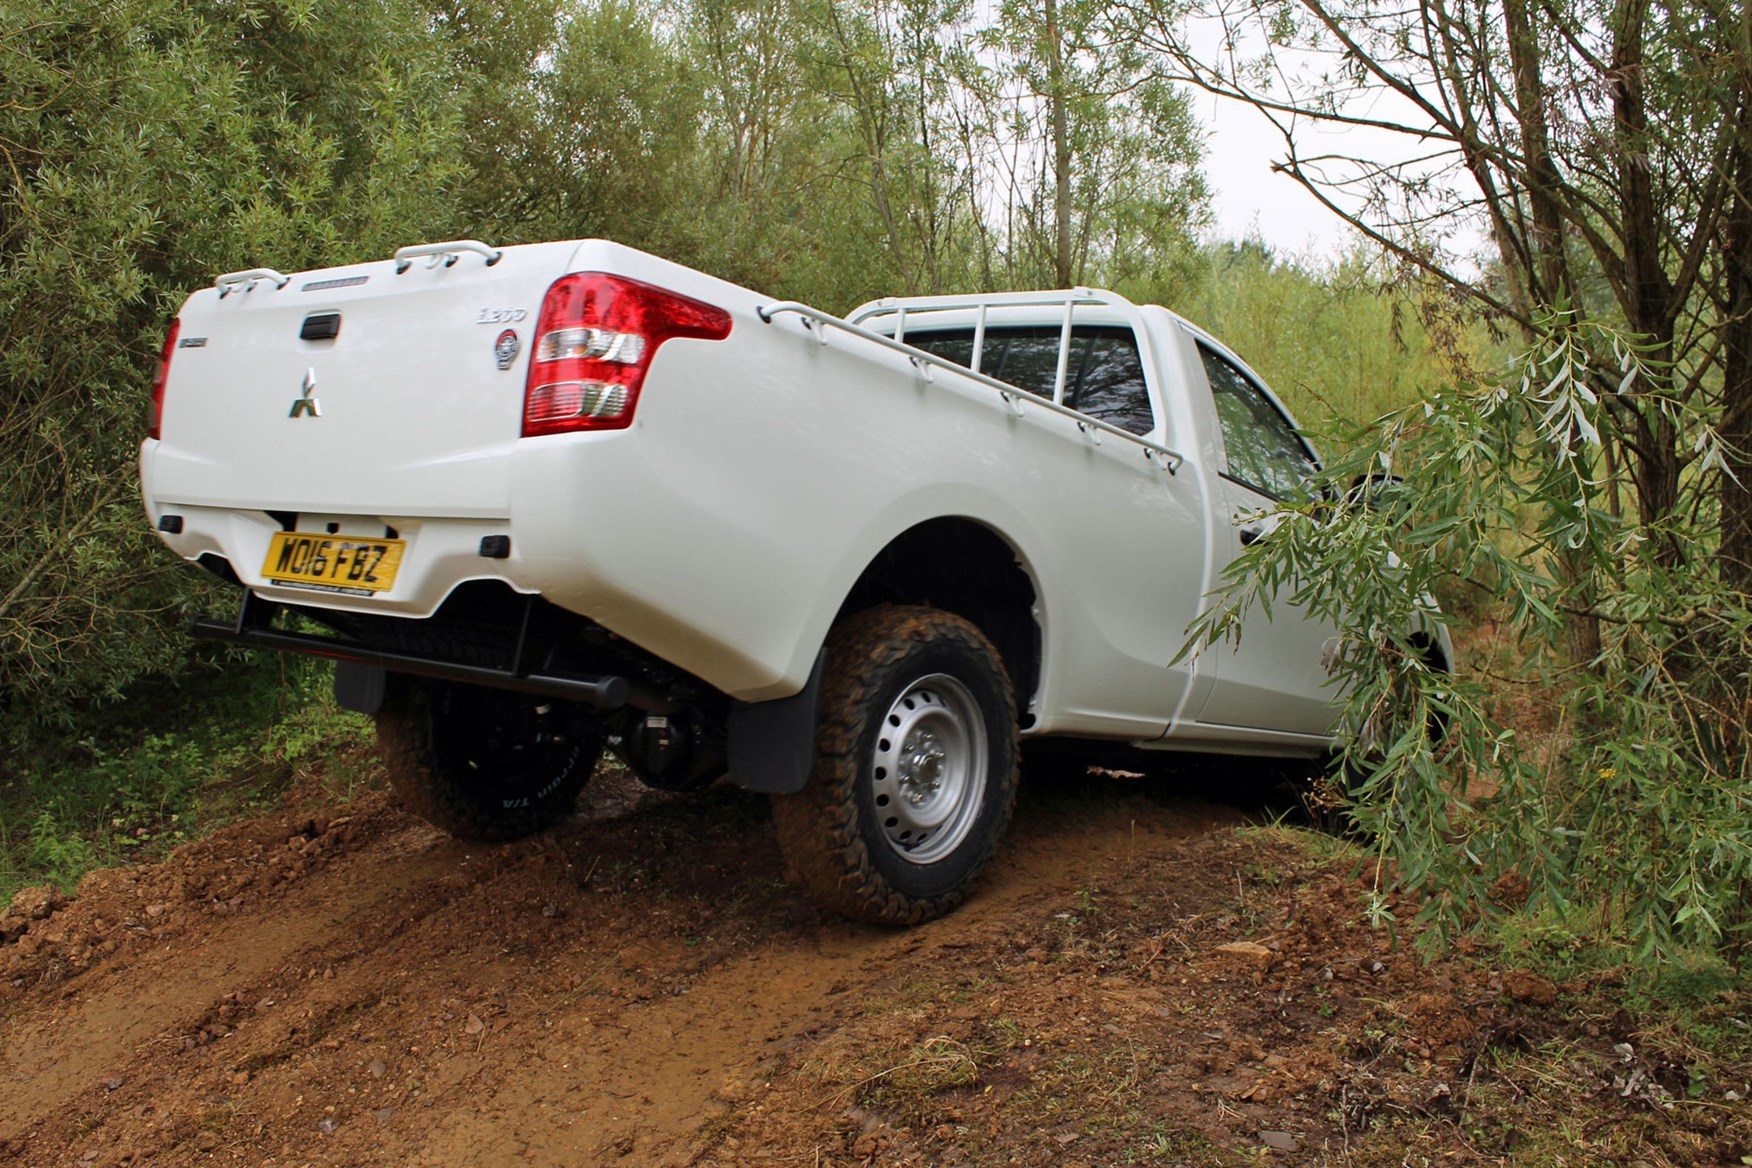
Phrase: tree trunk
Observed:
(1735, 556)
(1549, 282)
(1647, 293)
(1549, 285)
(1059, 118)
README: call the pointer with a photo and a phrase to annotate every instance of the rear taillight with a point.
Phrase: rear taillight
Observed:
(593, 342)
(157, 419)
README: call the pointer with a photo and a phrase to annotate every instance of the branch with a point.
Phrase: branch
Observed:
(1393, 246)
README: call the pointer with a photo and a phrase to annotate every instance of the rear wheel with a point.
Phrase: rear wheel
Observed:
(485, 764)
(915, 768)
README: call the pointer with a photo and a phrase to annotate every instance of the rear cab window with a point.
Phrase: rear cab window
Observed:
(1104, 376)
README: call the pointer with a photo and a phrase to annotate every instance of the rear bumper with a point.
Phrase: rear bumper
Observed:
(525, 666)
(696, 588)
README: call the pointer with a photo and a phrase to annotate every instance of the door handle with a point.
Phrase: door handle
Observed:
(1251, 534)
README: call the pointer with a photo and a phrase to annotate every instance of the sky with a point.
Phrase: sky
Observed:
(1247, 197)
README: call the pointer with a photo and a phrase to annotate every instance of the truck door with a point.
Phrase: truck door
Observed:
(1275, 678)
(1120, 527)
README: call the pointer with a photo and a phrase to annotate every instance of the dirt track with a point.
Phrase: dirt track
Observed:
(642, 987)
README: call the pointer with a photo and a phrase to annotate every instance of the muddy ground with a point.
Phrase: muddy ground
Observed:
(1140, 979)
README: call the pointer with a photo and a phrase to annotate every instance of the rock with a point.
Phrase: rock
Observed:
(1440, 1018)
(97, 880)
(1524, 985)
(1279, 1141)
(36, 903)
(377, 1069)
(206, 1141)
(870, 1144)
(1252, 950)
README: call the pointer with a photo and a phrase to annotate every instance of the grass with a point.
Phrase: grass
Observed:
(166, 766)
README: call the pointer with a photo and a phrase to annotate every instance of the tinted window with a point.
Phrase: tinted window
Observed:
(1104, 377)
(1263, 449)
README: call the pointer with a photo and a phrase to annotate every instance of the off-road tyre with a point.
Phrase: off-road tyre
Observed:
(1329, 796)
(484, 764)
(899, 678)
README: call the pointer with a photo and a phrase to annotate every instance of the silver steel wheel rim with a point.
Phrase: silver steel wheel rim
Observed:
(928, 771)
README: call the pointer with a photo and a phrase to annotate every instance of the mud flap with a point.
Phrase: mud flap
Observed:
(772, 744)
(360, 687)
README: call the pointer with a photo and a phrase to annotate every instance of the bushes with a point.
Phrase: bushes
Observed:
(143, 775)
(147, 146)
(1630, 825)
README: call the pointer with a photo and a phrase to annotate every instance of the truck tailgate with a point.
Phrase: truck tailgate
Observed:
(405, 410)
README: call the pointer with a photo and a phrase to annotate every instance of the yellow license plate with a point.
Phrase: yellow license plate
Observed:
(333, 563)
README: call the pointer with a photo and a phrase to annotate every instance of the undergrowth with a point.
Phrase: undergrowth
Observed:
(1625, 821)
(135, 779)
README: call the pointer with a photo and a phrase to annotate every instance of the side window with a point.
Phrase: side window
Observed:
(1104, 377)
(1263, 450)
(1025, 357)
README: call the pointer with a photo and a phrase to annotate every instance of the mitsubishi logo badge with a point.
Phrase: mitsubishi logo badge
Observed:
(307, 404)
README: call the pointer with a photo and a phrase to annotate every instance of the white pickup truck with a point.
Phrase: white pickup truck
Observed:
(542, 500)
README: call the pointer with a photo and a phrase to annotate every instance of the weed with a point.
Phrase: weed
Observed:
(1316, 847)
(1174, 1145)
(1087, 905)
(937, 1064)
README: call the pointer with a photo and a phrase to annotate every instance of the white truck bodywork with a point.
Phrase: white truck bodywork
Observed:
(1012, 505)
(760, 477)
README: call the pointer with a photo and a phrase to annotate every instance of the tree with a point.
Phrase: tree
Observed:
(893, 68)
(602, 131)
(1596, 497)
(1102, 157)
(1601, 146)
(147, 146)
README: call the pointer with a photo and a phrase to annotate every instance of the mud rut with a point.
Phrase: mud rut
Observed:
(361, 990)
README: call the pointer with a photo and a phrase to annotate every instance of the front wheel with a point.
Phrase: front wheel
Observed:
(915, 768)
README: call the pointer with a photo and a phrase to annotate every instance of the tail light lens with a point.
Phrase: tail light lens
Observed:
(156, 421)
(594, 341)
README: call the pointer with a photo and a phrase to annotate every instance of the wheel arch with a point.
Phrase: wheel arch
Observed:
(966, 567)
(951, 562)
